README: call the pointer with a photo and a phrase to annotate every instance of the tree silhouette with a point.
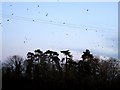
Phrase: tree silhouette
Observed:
(87, 55)
(29, 67)
(14, 66)
(53, 58)
(12, 70)
(68, 57)
(45, 70)
(38, 55)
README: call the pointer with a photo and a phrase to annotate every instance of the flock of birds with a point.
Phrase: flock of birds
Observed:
(52, 21)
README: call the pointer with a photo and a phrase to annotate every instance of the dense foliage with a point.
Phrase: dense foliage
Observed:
(45, 70)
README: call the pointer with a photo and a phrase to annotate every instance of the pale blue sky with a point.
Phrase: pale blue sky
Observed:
(63, 28)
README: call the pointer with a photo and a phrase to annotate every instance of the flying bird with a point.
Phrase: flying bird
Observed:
(38, 5)
(63, 22)
(87, 9)
(27, 9)
(33, 20)
(67, 34)
(86, 29)
(12, 14)
(46, 14)
(25, 39)
(7, 19)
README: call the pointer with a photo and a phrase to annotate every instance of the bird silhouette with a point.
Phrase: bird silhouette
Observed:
(12, 14)
(46, 14)
(7, 19)
(87, 9)
(38, 5)
(63, 22)
(25, 39)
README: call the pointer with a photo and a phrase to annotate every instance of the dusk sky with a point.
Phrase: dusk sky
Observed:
(60, 26)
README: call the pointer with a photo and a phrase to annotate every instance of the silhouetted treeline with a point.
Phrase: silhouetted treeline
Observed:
(45, 70)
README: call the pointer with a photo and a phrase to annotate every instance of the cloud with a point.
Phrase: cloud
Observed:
(109, 52)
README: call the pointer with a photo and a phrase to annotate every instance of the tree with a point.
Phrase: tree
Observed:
(40, 66)
(68, 57)
(29, 67)
(38, 55)
(13, 66)
(53, 57)
(87, 55)
(42, 70)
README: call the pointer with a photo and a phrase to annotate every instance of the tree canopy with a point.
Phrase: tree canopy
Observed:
(45, 70)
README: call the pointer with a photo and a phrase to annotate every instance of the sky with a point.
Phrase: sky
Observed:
(59, 1)
(60, 26)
